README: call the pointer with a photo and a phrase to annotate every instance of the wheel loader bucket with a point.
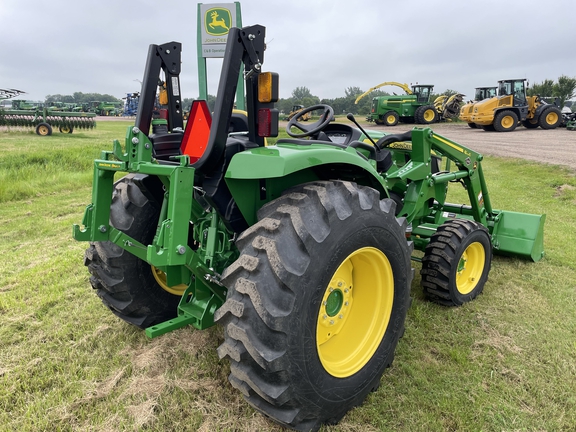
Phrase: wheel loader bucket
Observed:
(519, 234)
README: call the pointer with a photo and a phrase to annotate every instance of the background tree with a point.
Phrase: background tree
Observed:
(565, 89)
(303, 96)
(544, 89)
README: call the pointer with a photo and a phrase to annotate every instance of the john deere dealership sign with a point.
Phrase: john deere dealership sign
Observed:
(217, 18)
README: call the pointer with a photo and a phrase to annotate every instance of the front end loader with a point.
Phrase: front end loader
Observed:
(511, 107)
(301, 250)
(481, 93)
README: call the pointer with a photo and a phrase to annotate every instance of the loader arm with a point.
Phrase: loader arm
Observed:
(425, 206)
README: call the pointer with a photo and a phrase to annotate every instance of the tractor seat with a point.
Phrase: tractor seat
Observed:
(167, 144)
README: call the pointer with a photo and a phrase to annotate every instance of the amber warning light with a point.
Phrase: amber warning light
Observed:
(268, 85)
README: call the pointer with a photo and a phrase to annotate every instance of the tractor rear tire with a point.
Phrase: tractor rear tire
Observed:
(550, 118)
(124, 282)
(43, 129)
(456, 262)
(505, 121)
(426, 114)
(488, 128)
(316, 302)
(391, 118)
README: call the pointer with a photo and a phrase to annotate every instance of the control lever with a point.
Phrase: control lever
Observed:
(350, 117)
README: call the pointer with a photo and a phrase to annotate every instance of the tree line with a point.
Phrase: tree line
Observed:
(564, 89)
(80, 98)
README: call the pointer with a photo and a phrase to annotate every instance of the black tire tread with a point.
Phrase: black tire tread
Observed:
(498, 121)
(123, 282)
(542, 120)
(255, 323)
(419, 114)
(441, 256)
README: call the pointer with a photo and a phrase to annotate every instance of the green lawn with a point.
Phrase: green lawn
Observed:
(504, 362)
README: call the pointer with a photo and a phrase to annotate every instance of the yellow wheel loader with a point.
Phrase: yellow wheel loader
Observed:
(467, 109)
(503, 113)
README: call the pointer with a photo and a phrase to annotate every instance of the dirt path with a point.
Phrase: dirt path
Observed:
(557, 146)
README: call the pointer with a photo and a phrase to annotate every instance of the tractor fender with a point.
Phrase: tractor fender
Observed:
(260, 175)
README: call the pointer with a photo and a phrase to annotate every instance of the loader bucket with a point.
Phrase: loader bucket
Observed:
(519, 234)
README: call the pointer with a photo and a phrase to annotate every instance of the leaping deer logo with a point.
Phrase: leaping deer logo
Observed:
(217, 22)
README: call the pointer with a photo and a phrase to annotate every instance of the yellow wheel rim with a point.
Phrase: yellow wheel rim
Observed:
(390, 119)
(470, 268)
(552, 118)
(43, 131)
(355, 312)
(429, 115)
(160, 277)
(507, 122)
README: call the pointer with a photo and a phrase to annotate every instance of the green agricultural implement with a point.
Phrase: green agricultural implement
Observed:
(413, 107)
(44, 120)
(301, 250)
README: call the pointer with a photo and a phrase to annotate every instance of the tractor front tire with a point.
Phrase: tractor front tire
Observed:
(472, 125)
(505, 121)
(125, 283)
(316, 302)
(456, 262)
(550, 118)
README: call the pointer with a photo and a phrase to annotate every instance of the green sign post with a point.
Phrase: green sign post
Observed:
(214, 22)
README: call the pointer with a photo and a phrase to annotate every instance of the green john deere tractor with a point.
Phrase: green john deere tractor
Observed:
(301, 250)
(413, 107)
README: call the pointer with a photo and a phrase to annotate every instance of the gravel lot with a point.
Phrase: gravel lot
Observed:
(556, 146)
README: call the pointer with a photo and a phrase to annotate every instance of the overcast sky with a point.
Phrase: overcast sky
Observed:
(64, 46)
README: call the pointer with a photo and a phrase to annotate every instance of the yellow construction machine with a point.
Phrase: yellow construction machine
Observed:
(503, 113)
(295, 110)
(481, 94)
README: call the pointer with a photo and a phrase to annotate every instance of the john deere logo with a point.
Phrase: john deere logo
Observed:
(217, 21)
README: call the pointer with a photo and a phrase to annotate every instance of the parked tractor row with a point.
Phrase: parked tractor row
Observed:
(301, 250)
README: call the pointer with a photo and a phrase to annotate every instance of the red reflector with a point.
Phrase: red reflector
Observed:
(197, 131)
(264, 122)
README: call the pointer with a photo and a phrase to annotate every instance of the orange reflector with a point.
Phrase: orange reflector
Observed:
(197, 131)
(268, 87)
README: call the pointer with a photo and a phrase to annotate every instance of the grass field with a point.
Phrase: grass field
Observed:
(504, 362)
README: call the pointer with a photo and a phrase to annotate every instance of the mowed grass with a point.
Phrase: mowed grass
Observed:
(504, 362)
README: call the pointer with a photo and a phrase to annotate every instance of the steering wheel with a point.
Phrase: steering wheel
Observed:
(309, 130)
